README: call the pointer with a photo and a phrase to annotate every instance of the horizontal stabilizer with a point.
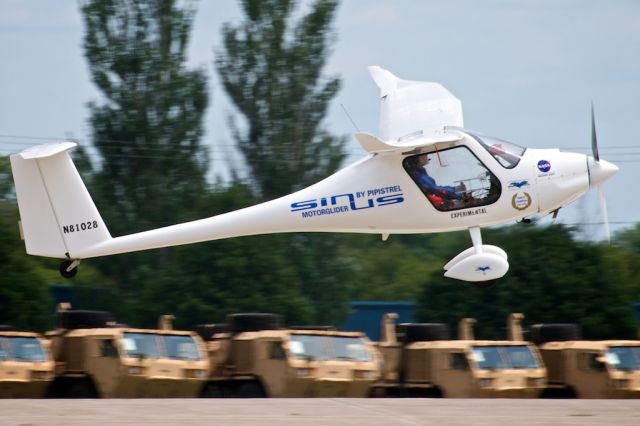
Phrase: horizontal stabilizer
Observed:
(46, 150)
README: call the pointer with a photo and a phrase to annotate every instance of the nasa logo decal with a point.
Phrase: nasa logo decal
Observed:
(544, 166)
(521, 201)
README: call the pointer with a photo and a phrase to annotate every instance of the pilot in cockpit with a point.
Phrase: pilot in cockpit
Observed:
(442, 197)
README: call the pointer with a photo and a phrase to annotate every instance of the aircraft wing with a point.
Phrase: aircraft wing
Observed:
(414, 108)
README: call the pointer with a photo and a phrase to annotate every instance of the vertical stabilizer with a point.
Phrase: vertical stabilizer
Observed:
(414, 107)
(58, 216)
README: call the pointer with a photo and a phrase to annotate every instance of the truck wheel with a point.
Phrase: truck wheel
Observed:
(559, 393)
(422, 332)
(81, 389)
(75, 319)
(542, 333)
(212, 390)
(378, 393)
(239, 323)
(434, 392)
(251, 389)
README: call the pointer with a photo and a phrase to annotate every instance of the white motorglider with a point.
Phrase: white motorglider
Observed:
(425, 173)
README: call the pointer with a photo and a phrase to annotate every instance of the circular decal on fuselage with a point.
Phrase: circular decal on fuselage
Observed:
(521, 201)
(544, 166)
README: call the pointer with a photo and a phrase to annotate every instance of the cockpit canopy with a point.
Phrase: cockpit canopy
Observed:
(457, 178)
(506, 153)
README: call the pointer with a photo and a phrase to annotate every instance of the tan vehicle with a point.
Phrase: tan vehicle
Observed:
(254, 356)
(26, 367)
(419, 360)
(97, 358)
(587, 369)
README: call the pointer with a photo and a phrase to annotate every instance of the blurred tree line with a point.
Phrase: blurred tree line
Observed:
(148, 168)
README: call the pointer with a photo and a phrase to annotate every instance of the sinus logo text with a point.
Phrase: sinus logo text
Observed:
(343, 203)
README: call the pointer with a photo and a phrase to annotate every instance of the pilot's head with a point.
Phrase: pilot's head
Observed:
(419, 160)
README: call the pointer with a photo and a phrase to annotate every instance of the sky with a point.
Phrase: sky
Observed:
(525, 71)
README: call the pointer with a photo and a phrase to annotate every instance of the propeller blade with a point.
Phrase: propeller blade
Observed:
(594, 138)
(600, 171)
(604, 213)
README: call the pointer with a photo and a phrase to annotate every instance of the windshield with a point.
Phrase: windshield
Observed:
(181, 347)
(503, 357)
(506, 153)
(624, 358)
(26, 349)
(319, 347)
(149, 345)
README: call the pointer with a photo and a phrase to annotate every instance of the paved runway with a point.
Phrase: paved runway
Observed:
(330, 412)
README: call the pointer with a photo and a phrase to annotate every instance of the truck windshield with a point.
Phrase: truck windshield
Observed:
(150, 345)
(503, 357)
(319, 347)
(624, 358)
(27, 349)
(181, 347)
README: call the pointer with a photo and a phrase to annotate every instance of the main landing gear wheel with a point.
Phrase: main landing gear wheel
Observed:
(69, 268)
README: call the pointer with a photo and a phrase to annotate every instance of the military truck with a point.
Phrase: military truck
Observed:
(98, 358)
(26, 367)
(580, 368)
(420, 360)
(254, 355)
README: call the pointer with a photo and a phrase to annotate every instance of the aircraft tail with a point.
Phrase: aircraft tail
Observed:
(411, 107)
(58, 216)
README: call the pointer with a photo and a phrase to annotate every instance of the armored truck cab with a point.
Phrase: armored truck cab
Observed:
(419, 360)
(26, 367)
(96, 358)
(587, 369)
(255, 356)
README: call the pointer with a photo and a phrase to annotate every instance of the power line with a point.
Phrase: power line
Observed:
(114, 142)
(174, 152)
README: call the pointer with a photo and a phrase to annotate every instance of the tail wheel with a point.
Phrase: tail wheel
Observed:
(69, 268)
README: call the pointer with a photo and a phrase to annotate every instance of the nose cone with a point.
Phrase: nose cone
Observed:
(600, 171)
